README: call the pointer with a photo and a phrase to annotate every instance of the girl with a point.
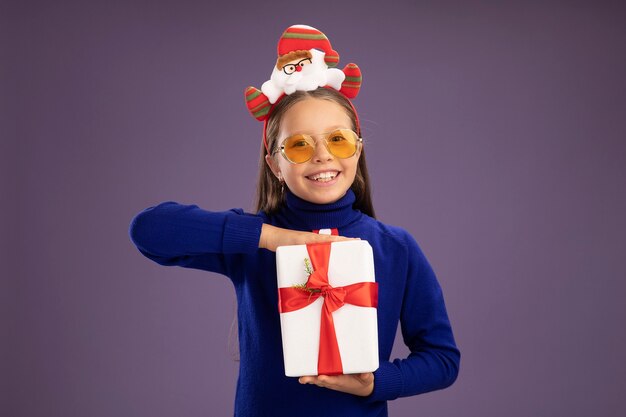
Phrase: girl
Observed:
(312, 176)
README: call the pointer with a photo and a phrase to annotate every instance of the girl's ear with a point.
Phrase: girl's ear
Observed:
(358, 151)
(271, 162)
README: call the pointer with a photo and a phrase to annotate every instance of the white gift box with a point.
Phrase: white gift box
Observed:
(356, 330)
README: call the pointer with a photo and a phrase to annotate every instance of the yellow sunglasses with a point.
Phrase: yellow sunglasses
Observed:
(300, 148)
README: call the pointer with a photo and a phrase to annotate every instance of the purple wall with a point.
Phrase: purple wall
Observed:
(495, 134)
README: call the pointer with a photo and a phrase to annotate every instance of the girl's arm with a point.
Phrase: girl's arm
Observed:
(188, 236)
(434, 359)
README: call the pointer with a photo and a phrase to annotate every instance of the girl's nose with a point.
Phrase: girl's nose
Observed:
(321, 152)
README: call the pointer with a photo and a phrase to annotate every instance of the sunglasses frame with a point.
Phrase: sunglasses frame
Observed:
(359, 140)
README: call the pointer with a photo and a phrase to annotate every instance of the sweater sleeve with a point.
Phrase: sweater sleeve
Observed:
(434, 359)
(186, 235)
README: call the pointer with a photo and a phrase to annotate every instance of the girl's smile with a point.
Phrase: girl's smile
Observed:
(324, 177)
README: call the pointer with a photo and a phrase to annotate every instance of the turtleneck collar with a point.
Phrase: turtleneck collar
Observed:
(300, 214)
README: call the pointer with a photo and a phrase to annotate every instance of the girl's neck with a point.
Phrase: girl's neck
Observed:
(300, 214)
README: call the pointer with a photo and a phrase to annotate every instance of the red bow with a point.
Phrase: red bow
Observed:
(363, 294)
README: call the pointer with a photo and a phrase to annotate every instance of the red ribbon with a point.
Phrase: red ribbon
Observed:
(363, 294)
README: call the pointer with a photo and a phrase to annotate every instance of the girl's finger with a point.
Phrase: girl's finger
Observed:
(307, 379)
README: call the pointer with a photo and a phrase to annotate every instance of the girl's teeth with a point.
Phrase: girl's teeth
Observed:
(324, 176)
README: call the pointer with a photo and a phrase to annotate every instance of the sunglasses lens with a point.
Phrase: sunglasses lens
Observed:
(342, 143)
(298, 149)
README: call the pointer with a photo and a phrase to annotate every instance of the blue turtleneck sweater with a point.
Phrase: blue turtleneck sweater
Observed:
(227, 243)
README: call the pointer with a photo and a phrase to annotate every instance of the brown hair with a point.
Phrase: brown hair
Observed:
(269, 197)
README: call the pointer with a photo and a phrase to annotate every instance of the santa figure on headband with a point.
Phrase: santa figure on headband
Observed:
(306, 61)
(301, 70)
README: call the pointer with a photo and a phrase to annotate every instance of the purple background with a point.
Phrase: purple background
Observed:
(494, 132)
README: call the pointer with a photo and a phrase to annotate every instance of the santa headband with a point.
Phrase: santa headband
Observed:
(306, 61)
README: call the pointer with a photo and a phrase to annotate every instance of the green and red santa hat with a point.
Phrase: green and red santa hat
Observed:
(306, 61)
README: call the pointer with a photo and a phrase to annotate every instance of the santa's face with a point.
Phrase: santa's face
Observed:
(324, 178)
(301, 73)
(296, 65)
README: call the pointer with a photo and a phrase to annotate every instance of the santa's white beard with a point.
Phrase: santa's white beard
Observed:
(304, 81)
(311, 77)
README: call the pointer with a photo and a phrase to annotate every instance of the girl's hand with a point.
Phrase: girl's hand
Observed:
(357, 384)
(273, 237)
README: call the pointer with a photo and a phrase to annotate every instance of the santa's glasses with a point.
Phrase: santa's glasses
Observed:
(300, 148)
(297, 67)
